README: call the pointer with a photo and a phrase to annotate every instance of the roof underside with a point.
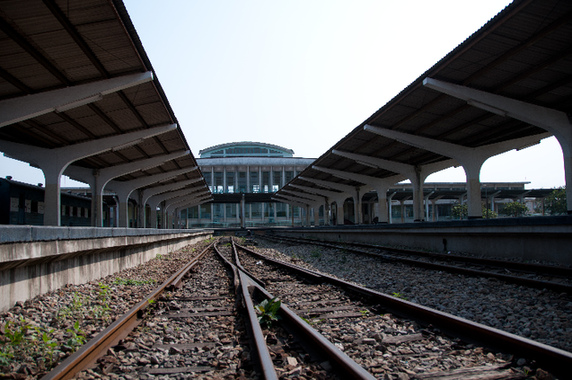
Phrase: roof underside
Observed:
(53, 44)
(523, 53)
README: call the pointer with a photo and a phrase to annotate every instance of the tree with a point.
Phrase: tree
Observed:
(488, 213)
(460, 211)
(514, 209)
(555, 202)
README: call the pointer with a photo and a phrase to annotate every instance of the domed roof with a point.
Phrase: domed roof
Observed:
(245, 149)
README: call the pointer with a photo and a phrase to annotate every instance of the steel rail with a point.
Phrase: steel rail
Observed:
(512, 265)
(556, 360)
(119, 329)
(444, 267)
(339, 359)
(244, 283)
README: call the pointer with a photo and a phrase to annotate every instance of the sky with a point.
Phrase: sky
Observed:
(303, 73)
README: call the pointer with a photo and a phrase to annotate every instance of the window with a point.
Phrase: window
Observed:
(281, 209)
(229, 182)
(254, 183)
(193, 212)
(217, 183)
(266, 181)
(241, 182)
(206, 211)
(276, 180)
(231, 210)
(256, 210)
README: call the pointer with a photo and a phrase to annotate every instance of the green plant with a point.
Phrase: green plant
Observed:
(556, 201)
(21, 339)
(316, 253)
(48, 345)
(268, 311)
(6, 356)
(364, 313)
(132, 282)
(76, 308)
(514, 209)
(460, 211)
(159, 256)
(76, 337)
(489, 214)
(399, 295)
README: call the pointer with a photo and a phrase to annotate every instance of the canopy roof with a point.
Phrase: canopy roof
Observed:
(56, 44)
(523, 53)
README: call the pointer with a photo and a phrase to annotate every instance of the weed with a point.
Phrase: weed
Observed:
(316, 253)
(313, 321)
(76, 308)
(21, 339)
(132, 282)
(268, 311)
(159, 256)
(364, 313)
(399, 295)
(76, 337)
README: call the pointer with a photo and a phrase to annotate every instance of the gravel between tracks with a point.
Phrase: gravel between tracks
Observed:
(537, 314)
(39, 333)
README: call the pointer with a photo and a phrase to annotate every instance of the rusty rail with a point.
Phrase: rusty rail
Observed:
(559, 361)
(98, 346)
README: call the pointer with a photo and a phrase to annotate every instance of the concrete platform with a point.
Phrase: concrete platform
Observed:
(35, 260)
(530, 238)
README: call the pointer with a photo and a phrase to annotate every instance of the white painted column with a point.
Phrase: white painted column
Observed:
(554, 121)
(390, 207)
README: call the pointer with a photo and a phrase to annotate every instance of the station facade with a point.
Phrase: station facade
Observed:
(243, 177)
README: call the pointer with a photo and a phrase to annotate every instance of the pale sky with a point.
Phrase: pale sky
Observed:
(303, 73)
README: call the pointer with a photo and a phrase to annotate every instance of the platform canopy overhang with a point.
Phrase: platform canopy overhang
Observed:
(75, 72)
(505, 87)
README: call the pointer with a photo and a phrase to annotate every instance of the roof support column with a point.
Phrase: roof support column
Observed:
(97, 180)
(124, 190)
(327, 212)
(426, 200)
(53, 162)
(435, 215)
(316, 209)
(390, 208)
(148, 193)
(340, 208)
(554, 121)
(492, 200)
(415, 174)
(471, 159)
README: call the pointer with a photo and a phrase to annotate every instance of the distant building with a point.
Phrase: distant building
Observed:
(243, 176)
(22, 203)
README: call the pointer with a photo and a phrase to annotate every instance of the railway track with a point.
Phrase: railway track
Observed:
(197, 324)
(555, 278)
(365, 329)
(202, 323)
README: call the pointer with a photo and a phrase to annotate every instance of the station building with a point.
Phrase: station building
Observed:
(243, 177)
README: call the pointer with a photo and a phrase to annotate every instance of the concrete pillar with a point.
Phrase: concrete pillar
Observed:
(53, 162)
(390, 207)
(554, 121)
(243, 212)
(426, 201)
(471, 159)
